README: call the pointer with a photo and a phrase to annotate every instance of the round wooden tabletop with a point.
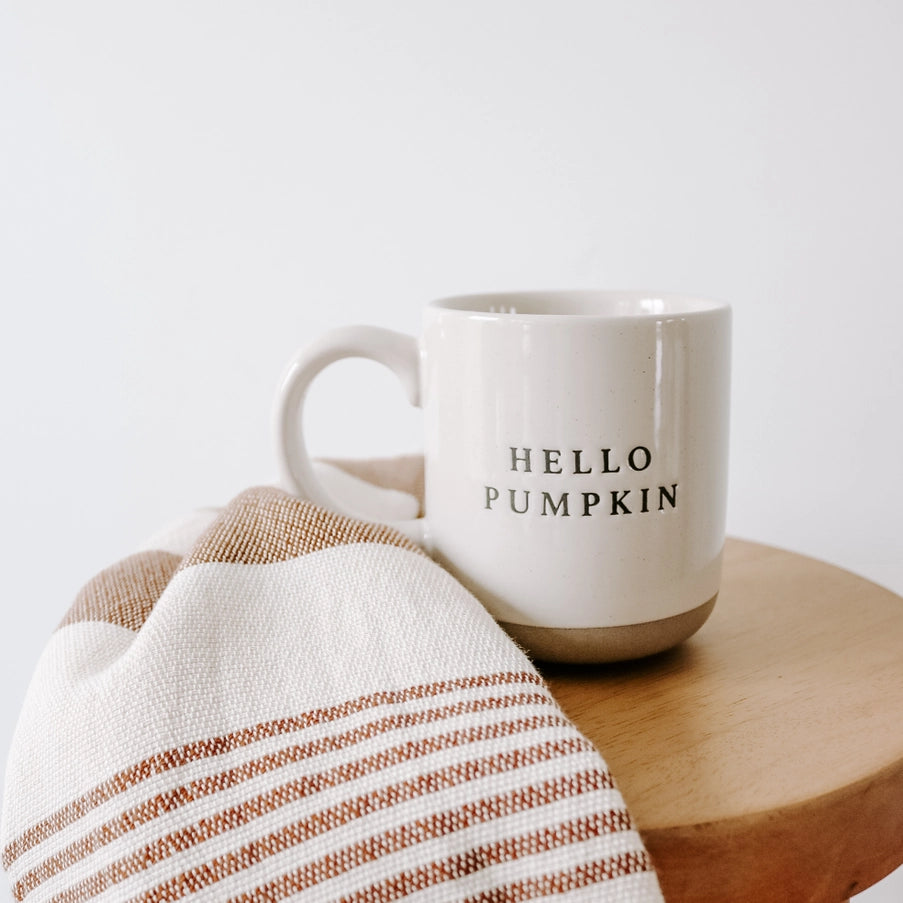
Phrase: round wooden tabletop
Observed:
(763, 759)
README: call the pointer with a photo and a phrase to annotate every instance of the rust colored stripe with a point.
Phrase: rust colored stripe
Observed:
(564, 882)
(163, 804)
(399, 838)
(215, 746)
(125, 593)
(265, 525)
(449, 869)
(384, 798)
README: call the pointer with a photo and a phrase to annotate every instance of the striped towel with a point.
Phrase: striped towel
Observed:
(293, 704)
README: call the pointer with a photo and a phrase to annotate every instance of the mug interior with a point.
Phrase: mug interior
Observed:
(579, 304)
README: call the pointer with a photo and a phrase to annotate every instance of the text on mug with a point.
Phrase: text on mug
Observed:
(583, 504)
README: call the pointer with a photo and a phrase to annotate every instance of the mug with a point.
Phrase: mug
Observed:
(575, 458)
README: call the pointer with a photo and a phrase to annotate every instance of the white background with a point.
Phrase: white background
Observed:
(191, 190)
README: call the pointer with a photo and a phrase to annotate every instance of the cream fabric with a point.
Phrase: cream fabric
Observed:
(274, 702)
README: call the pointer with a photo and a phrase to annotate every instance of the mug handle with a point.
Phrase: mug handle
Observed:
(395, 350)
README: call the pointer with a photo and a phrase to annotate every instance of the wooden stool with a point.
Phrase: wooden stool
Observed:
(763, 759)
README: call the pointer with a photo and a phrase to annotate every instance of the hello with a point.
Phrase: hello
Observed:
(522, 459)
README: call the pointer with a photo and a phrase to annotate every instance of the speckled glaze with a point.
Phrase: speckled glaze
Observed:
(576, 449)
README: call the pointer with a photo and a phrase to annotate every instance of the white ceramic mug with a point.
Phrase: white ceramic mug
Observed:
(576, 449)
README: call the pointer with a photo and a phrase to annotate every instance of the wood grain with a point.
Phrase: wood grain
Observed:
(763, 759)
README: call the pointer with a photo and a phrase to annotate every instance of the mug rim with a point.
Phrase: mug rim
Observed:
(578, 304)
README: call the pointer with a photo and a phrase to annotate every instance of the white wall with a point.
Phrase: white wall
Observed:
(191, 190)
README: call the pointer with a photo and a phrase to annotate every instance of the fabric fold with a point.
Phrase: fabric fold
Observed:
(302, 706)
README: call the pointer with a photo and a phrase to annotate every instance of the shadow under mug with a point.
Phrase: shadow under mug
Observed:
(575, 458)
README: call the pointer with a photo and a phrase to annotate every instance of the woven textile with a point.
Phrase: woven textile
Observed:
(298, 705)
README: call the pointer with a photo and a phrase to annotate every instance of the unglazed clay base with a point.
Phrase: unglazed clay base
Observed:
(586, 645)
